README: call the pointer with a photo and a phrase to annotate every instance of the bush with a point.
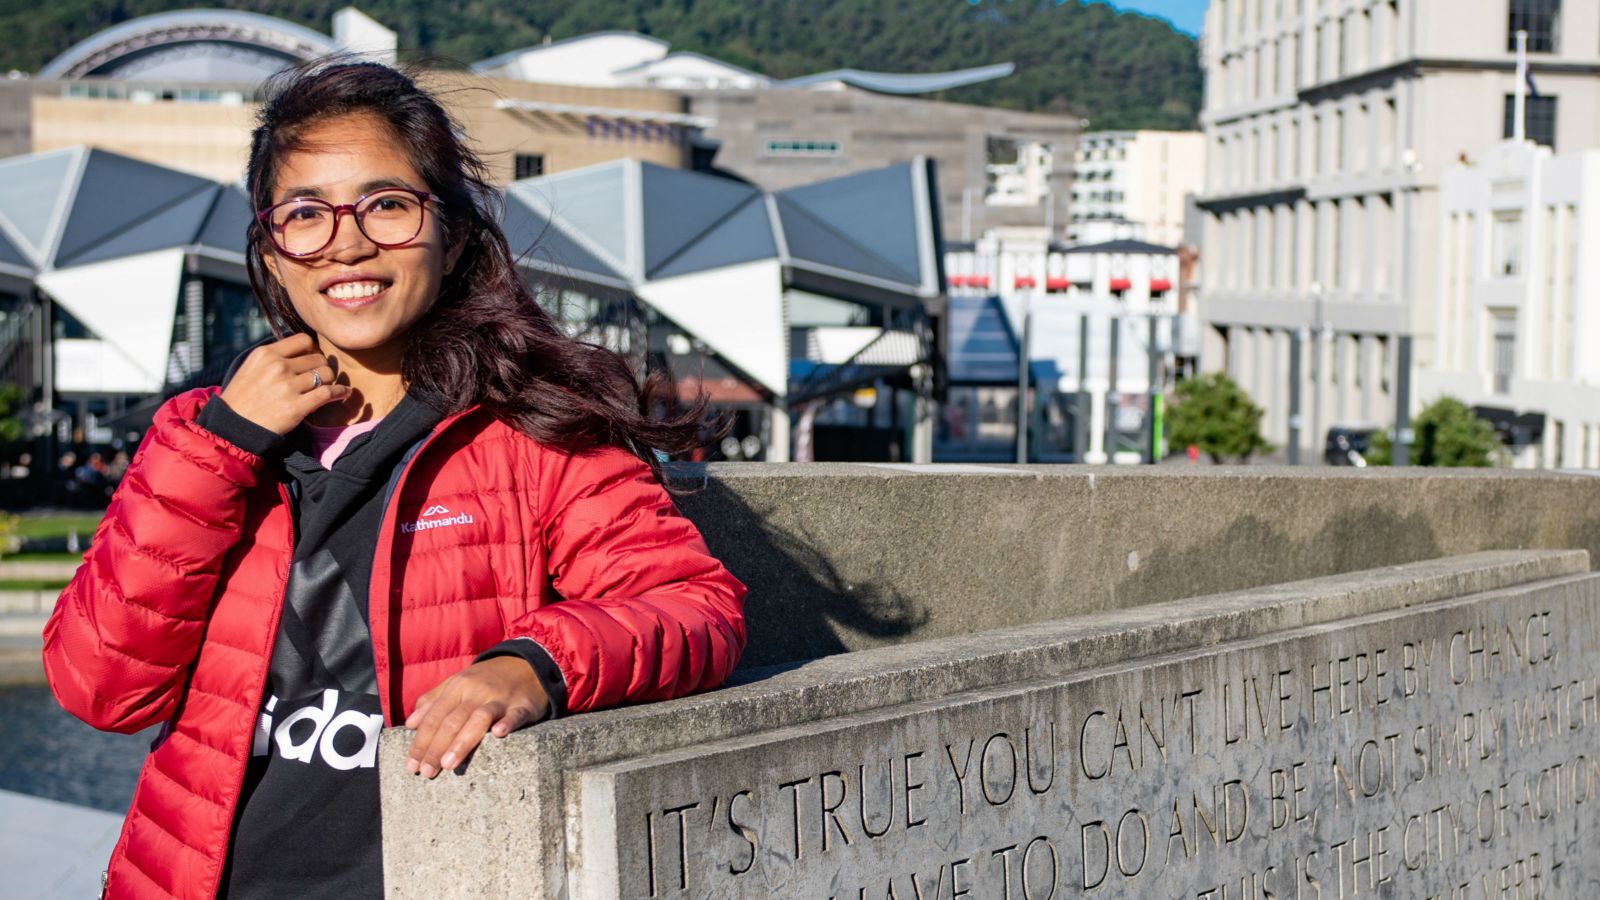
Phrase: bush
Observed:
(1448, 434)
(1215, 414)
(10, 524)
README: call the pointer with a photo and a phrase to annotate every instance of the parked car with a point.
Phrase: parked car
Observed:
(1348, 446)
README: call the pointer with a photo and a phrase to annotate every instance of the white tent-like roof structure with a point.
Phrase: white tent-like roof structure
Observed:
(717, 256)
(110, 239)
(630, 59)
(106, 237)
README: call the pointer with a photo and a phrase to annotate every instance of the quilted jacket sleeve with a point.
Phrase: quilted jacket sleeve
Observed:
(647, 612)
(125, 630)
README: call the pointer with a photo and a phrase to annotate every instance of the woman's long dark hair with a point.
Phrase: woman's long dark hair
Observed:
(485, 341)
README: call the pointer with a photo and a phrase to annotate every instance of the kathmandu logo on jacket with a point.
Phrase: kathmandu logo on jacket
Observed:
(444, 519)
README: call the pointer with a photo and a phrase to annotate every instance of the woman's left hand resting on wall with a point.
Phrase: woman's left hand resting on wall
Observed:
(498, 695)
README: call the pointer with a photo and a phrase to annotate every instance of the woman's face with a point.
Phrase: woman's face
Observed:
(355, 296)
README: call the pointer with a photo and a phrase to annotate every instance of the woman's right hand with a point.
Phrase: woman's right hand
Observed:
(281, 383)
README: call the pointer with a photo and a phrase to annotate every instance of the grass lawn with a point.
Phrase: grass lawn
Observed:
(25, 585)
(51, 525)
(74, 558)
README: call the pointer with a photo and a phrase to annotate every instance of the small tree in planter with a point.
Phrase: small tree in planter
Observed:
(1213, 413)
(1448, 434)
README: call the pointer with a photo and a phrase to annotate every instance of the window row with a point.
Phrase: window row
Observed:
(1333, 49)
(1548, 265)
(1345, 246)
(1331, 140)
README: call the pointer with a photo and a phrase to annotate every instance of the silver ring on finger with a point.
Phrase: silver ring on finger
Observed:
(316, 379)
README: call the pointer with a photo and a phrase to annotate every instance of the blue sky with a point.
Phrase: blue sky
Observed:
(1187, 15)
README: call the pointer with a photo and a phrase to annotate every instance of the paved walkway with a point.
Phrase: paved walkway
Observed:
(21, 643)
(51, 850)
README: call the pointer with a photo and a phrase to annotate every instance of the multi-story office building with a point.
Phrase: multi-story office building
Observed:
(1328, 124)
(1137, 177)
(1518, 321)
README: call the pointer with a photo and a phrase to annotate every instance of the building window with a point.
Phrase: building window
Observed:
(802, 148)
(1018, 172)
(1505, 349)
(529, 165)
(1541, 19)
(1507, 244)
(1541, 124)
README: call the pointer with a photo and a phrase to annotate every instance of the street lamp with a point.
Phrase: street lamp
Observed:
(1317, 328)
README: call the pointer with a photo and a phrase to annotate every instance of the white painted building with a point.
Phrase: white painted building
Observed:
(619, 59)
(1328, 126)
(1518, 324)
(1137, 177)
(1127, 292)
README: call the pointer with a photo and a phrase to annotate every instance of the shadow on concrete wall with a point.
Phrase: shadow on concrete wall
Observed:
(1252, 551)
(798, 601)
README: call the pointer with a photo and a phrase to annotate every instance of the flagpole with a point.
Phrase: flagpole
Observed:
(1519, 119)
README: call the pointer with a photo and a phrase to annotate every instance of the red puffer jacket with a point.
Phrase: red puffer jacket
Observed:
(487, 535)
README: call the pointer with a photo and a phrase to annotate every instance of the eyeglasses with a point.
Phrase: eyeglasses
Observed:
(305, 226)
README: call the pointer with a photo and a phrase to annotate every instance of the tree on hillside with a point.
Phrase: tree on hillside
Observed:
(1213, 413)
(1448, 434)
(1118, 70)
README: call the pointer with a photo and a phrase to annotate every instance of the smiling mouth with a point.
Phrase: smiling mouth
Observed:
(347, 292)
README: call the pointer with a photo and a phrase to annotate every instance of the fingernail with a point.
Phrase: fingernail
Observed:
(412, 765)
(428, 771)
(449, 761)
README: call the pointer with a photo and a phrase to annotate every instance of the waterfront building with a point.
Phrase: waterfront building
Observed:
(123, 282)
(1518, 323)
(1329, 124)
(1137, 178)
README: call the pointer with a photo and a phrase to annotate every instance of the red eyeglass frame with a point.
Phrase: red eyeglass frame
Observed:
(422, 199)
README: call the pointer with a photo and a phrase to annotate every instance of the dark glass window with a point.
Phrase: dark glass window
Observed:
(530, 165)
(1541, 119)
(65, 326)
(233, 321)
(1541, 19)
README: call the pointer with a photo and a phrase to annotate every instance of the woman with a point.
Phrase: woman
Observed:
(425, 506)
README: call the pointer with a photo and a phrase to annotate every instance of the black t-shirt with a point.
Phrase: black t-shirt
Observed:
(307, 824)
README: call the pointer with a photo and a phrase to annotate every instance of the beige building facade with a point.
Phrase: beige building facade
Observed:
(996, 167)
(520, 129)
(1137, 177)
(1519, 306)
(1328, 124)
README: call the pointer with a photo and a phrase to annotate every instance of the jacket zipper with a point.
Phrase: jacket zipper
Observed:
(379, 599)
(261, 679)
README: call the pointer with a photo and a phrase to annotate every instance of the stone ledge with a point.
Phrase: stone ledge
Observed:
(451, 837)
(847, 556)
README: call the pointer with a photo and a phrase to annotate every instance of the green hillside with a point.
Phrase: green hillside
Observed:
(1120, 70)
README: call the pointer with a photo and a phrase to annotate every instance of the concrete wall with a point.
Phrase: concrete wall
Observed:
(675, 799)
(845, 556)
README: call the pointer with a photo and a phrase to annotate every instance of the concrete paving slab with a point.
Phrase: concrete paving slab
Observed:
(53, 850)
